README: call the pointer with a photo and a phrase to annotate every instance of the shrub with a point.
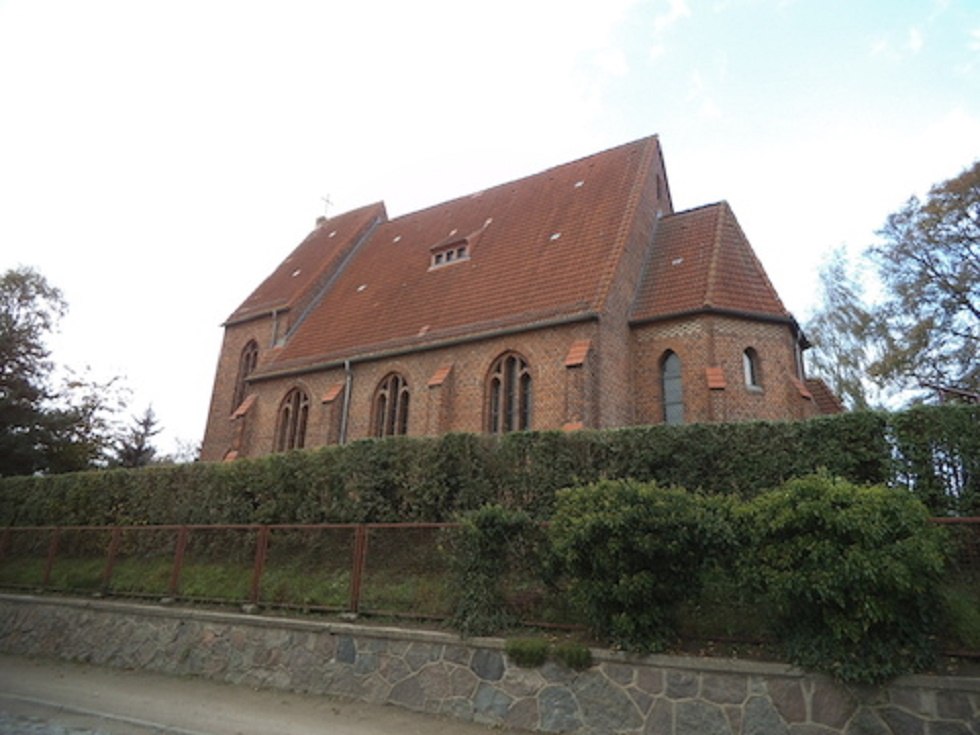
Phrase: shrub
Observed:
(483, 549)
(575, 656)
(532, 652)
(849, 575)
(633, 553)
(527, 652)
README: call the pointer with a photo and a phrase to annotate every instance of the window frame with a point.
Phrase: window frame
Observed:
(248, 360)
(752, 369)
(509, 394)
(672, 382)
(390, 406)
(292, 420)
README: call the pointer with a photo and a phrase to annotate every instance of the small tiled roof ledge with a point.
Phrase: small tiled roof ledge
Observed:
(383, 354)
(707, 309)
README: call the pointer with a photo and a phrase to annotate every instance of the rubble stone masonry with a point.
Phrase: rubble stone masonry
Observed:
(473, 679)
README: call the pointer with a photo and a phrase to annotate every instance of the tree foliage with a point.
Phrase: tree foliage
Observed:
(134, 447)
(928, 261)
(841, 331)
(45, 428)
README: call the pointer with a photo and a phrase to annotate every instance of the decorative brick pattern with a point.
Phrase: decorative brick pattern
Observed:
(474, 681)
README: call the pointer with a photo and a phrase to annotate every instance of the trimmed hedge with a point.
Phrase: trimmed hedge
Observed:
(934, 451)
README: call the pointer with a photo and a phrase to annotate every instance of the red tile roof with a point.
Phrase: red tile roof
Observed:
(540, 248)
(827, 402)
(304, 272)
(701, 260)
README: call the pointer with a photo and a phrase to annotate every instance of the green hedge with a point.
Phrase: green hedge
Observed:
(845, 578)
(933, 451)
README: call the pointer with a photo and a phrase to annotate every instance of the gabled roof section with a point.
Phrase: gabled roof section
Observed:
(545, 245)
(304, 273)
(701, 261)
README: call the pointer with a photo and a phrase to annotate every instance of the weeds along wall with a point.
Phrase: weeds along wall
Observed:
(934, 451)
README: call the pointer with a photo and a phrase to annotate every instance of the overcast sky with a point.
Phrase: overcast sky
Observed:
(159, 159)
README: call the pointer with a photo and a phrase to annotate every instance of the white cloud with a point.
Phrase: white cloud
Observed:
(879, 46)
(915, 41)
(975, 39)
(676, 10)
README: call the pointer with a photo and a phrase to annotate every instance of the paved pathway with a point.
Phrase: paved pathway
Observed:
(57, 698)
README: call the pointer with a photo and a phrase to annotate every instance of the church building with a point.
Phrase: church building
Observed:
(573, 298)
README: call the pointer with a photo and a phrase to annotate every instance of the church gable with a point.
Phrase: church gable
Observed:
(525, 253)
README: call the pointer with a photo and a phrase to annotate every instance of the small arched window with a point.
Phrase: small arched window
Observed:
(294, 411)
(673, 389)
(750, 366)
(246, 366)
(391, 406)
(509, 394)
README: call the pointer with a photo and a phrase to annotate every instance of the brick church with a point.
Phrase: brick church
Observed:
(573, 298)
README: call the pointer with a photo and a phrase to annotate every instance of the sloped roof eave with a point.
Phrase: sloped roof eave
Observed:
(707, 309)
(379, 352)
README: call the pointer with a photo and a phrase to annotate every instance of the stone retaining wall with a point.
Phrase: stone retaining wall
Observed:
(473, 680)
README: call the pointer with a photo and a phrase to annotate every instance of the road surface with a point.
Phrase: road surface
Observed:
(41, 697)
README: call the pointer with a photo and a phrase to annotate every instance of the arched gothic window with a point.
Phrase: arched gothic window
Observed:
(509, 394)
(750, 365)
(246, 366)
(294, 411)
(391, 406)
(673, 389)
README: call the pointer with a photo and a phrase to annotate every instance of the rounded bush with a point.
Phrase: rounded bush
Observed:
(633, 552)
(850, 575)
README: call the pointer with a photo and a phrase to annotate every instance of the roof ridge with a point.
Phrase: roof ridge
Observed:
(760, 270)
(709, 288)
(650, 146)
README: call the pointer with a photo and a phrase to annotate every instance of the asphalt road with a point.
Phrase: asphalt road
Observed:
(40, 697)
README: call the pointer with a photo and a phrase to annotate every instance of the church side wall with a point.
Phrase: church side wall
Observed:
(456, 402)
(220, 430)
(714, 341)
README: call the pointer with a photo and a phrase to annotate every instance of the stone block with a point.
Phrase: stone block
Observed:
(902, 722)
(787, 697)
(866, 722)
(605, 706)
(488, 664)
(762, 718)
(700, 718)
(559, 710)
(830, 705)
(682, 684)
(724, 688)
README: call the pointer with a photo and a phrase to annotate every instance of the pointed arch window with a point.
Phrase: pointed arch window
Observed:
(247, 363)
(750, 366)
(391, 406)
(673, 388)
(509, 394)
(294, 411)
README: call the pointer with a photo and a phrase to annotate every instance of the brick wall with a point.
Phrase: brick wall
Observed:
(719, 342)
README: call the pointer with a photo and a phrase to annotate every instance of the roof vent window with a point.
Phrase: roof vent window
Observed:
(450, 253)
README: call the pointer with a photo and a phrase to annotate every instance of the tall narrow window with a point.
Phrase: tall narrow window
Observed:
(750, 365)
(291, 426)
(509, 395)
(391, 406)
(246, 366)
(673, 389)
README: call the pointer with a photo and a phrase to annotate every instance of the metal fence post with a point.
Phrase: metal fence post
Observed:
(110, 561)
(357, 573)
(261, 549)
(52, 553)
(179, 550)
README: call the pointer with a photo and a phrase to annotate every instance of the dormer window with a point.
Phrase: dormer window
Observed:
(450, 253)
